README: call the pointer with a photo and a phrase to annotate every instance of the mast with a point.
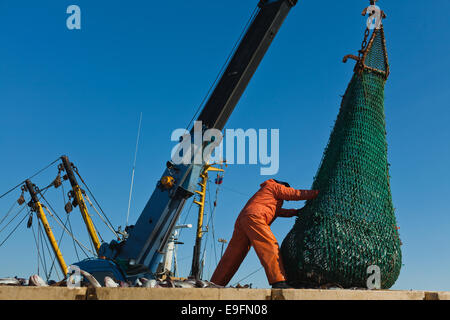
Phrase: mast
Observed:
(196, 269)
(36, 206)
(77, 193)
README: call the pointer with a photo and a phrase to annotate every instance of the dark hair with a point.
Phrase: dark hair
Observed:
(283, 183)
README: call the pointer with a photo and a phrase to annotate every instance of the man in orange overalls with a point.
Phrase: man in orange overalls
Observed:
(252, 228)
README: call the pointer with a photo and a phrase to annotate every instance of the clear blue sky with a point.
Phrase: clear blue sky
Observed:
(80, 93)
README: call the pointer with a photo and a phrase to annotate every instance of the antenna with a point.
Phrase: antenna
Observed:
(134, 168)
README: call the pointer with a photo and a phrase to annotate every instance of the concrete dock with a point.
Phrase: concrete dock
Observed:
(57, 293)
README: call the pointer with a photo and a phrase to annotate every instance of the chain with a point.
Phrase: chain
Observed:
(364, 43)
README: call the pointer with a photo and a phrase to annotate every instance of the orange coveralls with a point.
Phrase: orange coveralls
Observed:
(252, 228)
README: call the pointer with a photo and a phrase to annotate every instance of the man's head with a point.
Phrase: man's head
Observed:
(283, 183)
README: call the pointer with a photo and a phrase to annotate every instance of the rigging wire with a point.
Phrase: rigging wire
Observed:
(208, 224)
(34, 175)
(185, 219)
(50, 254)
(59, 245)
(74, 244)
(211, 220)
(39, 258)
(69, 233)
(50, 206)
(48, 187)
(44, 241)
(213, 244)
(93, 197)
(60, 222)
(179, 236)
(9, 211)
(40, 241)
(38, 236)
(212, 217)
(9, 235)
(17, 214)
(68, 219)
(235, 191)
(53, 210)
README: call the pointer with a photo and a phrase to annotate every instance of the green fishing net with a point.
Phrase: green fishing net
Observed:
(351, 225)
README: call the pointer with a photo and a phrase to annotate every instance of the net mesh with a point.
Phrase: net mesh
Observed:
(376, 57)
(351, 224)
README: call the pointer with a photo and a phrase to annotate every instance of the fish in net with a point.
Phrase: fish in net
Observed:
(351, 225)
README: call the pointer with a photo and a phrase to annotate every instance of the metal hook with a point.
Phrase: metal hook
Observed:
(374, 3)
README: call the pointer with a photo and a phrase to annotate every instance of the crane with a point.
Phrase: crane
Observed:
(141, 251)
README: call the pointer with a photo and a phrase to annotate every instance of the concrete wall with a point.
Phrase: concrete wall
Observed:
(55, 293)
(41, 293)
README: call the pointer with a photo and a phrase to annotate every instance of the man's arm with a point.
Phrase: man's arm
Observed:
(286, 213)
(286, 193)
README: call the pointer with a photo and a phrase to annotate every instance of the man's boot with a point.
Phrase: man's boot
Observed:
(281, 285)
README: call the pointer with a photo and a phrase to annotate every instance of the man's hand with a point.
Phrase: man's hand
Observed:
(300, 211)
(309, 194)
(316, 193)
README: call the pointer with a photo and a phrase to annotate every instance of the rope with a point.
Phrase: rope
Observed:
(98, 233)
(98, 213)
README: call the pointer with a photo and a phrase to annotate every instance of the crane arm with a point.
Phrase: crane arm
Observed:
(244, 63)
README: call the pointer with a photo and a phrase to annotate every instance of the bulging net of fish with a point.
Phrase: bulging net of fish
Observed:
(351, 225)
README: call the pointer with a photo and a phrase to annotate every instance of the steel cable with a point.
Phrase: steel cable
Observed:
(37, 173)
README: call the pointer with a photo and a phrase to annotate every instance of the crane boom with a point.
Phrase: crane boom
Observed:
(244, 63)
(148, 237)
